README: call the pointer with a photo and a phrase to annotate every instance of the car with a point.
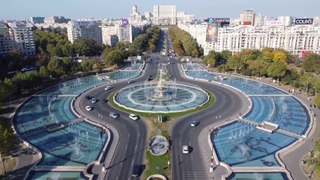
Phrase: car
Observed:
(114, 115)
(93, 100)
(185, 149)
(88, 108)
(129, 81)
(88, 97)
(107, 88)
(194, 123)
(136, 171)
(133, 117)
(150, 77)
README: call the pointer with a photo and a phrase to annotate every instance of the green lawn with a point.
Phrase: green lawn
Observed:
(157, 164)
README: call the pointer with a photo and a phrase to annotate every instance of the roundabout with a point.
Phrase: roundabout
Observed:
(72, 145)
(161, 97)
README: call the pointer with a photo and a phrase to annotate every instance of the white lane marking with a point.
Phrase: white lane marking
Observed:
(125, 149)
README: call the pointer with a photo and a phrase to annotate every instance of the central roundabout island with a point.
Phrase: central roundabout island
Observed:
(161, 97)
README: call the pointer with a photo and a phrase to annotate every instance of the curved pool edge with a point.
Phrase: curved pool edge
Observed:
(293, 145)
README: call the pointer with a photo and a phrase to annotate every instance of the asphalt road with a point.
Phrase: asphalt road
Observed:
(132, 134)
(227, 104)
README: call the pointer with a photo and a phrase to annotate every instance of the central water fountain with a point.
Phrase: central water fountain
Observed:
(161, 97)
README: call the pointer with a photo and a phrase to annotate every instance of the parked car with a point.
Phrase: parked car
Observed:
(185, 149)
(133, 117)
(88, 108)
(194, 123)
(114, 115)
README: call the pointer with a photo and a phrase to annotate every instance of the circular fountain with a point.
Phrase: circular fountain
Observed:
(161, 97)
(159, 145)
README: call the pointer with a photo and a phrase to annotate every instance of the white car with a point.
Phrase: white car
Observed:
(107, 88)
(114, 115)
(133, 117)
(93, 100)
(185, 149)
(88, 108)
(194, 123)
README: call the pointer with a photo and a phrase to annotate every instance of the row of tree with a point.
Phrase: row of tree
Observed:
(183, 43)
(55, 44)
(275, 63)
(147, 41)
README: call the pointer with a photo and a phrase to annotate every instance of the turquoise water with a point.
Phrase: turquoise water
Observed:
(245, 85)
(238, 144)
(80, 143)
(76, 145)
(286, 111)
(258, 176)
(57, 176)
(43, 110)
(180, 98)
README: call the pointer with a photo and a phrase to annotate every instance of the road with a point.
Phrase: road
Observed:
(131, 147)
(227, 104)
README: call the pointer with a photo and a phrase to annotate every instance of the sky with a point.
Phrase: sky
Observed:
(77, 9)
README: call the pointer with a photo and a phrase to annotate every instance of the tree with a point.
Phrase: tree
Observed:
(7, 137)
(277, 69)
(56, 67)
(308, 79)
(211, 59)
(43, 72)
(267, 54)
(280, 56)
(86, 66)
(311, 63)
(6, 90)
(236, 62)
(225, 55)
(115, 57)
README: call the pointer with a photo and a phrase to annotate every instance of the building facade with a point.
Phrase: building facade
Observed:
(295, 39)
(164, 15)
(17, 36)
(85, 30)
(109, 35)
(295, 35)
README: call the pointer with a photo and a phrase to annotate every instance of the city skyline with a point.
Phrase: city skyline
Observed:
(120, 9)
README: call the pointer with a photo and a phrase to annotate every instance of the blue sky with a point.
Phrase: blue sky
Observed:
(74, 9)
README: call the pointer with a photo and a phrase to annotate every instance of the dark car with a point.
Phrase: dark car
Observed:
(150, 77)
(136, 171)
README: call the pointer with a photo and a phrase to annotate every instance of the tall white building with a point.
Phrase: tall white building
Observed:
(295, 39)
(135, 15)
(84, 29)
(164, 15)
(109, 35)
(124, 32)
(7, 42)
(247, 17)
(18, 36)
